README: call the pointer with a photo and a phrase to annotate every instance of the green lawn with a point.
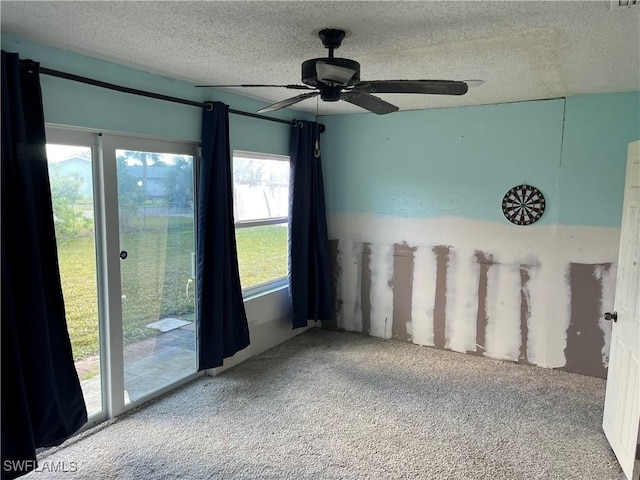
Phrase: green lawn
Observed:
(155, 276)
(78, 274)
(262, 254)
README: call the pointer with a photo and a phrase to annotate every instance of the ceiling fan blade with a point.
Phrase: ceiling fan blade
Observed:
(288, 102)
(334, 74)
(473, 83)
(368, 102)
(293, 87)
(432, 87)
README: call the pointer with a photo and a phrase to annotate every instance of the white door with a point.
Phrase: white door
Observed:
(621, 420)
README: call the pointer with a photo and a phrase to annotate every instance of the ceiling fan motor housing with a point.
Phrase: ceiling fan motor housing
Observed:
(310, 72)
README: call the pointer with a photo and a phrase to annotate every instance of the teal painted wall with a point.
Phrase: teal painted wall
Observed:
(594, 157)
(461, 161)
(453, 161)
(75, 104)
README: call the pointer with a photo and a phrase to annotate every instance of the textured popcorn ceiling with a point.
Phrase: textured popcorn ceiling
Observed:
(522, 50)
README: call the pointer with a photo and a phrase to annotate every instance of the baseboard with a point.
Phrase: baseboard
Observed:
(263, 336)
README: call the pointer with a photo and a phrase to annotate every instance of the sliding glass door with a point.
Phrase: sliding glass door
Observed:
(124, 215)
(157, 241)
(70, 160)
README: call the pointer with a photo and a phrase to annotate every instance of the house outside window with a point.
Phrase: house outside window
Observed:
(261, 209)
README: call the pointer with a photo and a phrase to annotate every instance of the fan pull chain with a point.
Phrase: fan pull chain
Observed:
(316, 151)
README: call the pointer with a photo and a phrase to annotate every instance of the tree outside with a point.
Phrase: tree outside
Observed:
(69, 206)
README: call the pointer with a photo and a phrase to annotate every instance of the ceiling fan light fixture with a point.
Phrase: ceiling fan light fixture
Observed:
(330, 72)
(334, 74)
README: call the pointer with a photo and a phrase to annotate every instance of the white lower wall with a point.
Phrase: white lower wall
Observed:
(557, 323)
(269, 325)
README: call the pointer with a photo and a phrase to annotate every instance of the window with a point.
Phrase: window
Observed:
(261, 209)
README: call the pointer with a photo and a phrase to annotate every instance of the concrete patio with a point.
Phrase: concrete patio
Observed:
(149, 365)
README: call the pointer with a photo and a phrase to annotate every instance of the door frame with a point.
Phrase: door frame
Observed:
(103, 145)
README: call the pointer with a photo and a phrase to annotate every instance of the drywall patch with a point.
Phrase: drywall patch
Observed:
(335, 278)
(403, 261)
(349, 285)
(525, 311)
(381, 266)
(503, 311)
(423, 297)
(485, 261)
(463, 273)
(608, 277)
(584, 335)
(442, 253)
(365, 285)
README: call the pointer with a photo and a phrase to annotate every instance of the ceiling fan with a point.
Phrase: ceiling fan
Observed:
(339, 79)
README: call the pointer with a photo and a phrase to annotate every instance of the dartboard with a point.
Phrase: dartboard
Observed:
(523, 205)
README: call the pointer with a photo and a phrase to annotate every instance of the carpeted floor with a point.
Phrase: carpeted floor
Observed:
(332, 405)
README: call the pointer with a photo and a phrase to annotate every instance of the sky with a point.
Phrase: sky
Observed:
(57, 153)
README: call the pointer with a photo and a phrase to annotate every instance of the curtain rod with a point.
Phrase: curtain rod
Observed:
(158, 96)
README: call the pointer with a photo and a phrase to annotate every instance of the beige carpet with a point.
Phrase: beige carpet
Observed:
(332, 405)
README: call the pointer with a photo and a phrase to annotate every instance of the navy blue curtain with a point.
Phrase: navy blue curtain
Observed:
(42, 403)
(222, 321)
(309, 274)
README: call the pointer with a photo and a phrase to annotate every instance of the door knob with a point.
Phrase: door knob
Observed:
(611, 316)
(123, 254)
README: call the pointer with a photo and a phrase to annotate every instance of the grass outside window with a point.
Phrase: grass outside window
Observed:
(262, 256)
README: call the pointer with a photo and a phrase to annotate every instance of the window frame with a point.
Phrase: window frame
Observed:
(276, 283)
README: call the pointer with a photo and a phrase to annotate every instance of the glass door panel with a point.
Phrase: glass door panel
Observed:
(157, 270)
(71, 180)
